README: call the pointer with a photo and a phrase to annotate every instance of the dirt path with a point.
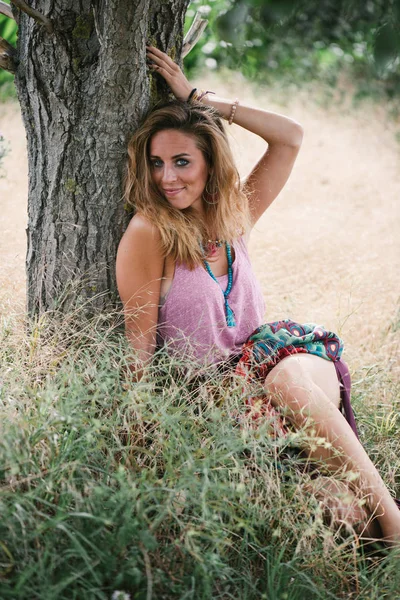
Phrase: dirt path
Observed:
(13, 218)
(328, 249)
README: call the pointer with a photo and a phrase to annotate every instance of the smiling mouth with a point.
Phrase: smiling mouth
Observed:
(173, 192)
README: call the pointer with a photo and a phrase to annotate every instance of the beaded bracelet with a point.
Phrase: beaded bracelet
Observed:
(233, 110)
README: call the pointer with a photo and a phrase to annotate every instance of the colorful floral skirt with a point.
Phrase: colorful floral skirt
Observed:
(272, 342)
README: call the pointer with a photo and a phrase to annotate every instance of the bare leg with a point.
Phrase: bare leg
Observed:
(342, 509)
(306, 387)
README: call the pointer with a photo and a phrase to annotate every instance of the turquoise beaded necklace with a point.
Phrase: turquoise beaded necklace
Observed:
(229, 314)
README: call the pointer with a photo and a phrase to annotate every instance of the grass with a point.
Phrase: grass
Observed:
(155, 489)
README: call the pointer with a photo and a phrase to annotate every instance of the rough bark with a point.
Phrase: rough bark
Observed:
(83, 90)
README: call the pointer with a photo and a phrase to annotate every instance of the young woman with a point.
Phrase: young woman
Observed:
(186, 282)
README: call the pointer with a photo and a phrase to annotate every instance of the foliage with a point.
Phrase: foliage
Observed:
(300, 40)
(156, 489)
(290, 41)
(8, 31)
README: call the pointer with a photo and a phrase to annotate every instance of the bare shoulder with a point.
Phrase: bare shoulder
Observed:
(139, 250)
(141, 230)
(141, 238)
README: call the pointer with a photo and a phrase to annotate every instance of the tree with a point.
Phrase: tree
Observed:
(83, 85)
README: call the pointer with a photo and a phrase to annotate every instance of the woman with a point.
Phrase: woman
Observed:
(185, 278)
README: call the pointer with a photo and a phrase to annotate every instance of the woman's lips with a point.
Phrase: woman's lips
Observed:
(173, 192)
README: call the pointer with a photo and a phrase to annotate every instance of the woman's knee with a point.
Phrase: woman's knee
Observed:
(289, 382)
(296, 377)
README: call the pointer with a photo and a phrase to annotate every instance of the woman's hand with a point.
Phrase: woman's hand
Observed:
(171, 72)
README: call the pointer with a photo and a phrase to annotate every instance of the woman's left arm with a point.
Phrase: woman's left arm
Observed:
(283, 135)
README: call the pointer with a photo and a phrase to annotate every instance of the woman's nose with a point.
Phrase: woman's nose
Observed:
(169, 174)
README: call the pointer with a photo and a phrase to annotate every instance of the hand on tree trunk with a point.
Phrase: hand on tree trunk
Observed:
(170, 71)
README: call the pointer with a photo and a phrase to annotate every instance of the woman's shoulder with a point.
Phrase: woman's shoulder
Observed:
(243, 240)
(142, 227)
(141, 231)
(141, 241)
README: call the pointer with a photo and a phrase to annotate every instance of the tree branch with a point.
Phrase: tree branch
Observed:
(194, 34)
(8, 56)
(22, 5)
(5, 9)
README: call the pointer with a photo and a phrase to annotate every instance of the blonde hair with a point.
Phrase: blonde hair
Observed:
(226, 217)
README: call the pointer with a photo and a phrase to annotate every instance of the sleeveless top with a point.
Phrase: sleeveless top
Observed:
(192, 321)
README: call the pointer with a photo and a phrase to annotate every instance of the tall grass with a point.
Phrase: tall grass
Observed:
(158, 489)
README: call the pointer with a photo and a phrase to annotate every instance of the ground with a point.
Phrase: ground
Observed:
(327, 251)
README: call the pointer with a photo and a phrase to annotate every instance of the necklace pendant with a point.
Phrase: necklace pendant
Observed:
(230, 316)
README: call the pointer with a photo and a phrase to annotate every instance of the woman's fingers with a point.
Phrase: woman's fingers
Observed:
(170, 71)
(162, 56)
(162, 70)
(160, 63)
(163, 73)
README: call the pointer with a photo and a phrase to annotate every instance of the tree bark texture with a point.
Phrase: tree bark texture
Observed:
(83, 90)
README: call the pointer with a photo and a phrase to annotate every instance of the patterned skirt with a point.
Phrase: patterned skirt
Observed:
(272, 342)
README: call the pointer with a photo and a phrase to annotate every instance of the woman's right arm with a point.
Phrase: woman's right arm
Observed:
(139, 271)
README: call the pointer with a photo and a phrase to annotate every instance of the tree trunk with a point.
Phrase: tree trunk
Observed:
(82, 90)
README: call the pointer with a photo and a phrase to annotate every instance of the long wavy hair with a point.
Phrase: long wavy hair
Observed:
(225, 203)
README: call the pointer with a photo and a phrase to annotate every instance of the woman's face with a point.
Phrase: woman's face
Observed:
(178, 168)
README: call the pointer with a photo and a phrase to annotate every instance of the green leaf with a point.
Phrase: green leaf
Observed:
(148, 540)
(396, 10)
(387, 45)
(8, 29)
(231, 23)
(276, 11)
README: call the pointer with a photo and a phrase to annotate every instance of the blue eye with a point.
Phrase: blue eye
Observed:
(156, 163)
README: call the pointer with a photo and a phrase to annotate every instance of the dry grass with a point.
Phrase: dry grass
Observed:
(327, 250)
(13, 209)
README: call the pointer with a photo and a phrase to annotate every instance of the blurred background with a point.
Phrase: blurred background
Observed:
(295, 42)
(291, 41)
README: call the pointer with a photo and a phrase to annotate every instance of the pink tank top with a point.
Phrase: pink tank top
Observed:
(192, 322)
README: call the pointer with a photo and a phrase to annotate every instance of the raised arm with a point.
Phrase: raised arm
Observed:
(282, 134)
(139, 270)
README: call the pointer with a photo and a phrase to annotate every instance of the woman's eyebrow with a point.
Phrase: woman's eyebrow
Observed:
(175, 155)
